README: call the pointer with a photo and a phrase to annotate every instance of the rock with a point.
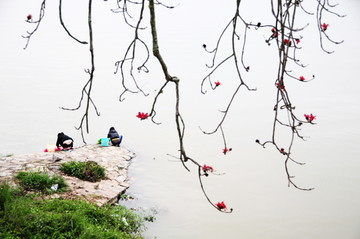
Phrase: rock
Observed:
(115, 160)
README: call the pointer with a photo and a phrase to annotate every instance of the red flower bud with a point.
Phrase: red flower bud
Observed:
(324, 26)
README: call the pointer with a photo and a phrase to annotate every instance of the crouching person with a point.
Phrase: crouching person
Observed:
(64, 141)
(114, 137)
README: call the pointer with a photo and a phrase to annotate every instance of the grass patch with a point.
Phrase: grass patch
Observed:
(6, 155)
(41, 182)
(21, 216)
(89, 170)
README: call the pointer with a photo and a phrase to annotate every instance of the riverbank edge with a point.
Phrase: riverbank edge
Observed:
(115, 160)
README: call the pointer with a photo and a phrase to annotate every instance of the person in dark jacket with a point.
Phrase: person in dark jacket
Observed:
(115, 138)
(64, 141)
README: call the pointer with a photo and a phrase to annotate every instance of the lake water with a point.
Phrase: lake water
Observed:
(50, 74)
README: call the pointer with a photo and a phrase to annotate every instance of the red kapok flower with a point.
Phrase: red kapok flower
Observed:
(287, 42)
(324, 26)
(275, 32)
(225, 150)
(282, 150)
(310, 117)
(142, 115)
(29, 17)
(206, 168)
(221, 205)
(297, 40)
(217, 83)
(280, 86)
(302, 78)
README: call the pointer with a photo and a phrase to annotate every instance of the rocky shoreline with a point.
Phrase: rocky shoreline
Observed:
(115, 160)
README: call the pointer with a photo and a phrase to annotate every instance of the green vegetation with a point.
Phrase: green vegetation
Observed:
(27, 216)
(89, 170)
(41, 182)
(6, 155)
(126, 197)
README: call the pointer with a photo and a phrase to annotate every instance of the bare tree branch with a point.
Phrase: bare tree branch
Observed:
(63, 25)
(30, 20)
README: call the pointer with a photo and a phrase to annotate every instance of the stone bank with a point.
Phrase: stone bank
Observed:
(115, 160)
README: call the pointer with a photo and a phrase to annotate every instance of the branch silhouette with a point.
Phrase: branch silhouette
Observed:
(284, 36)
(63, 25)
(30, 20)
(87, 89)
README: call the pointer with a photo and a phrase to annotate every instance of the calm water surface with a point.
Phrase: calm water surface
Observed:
(50, 74)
